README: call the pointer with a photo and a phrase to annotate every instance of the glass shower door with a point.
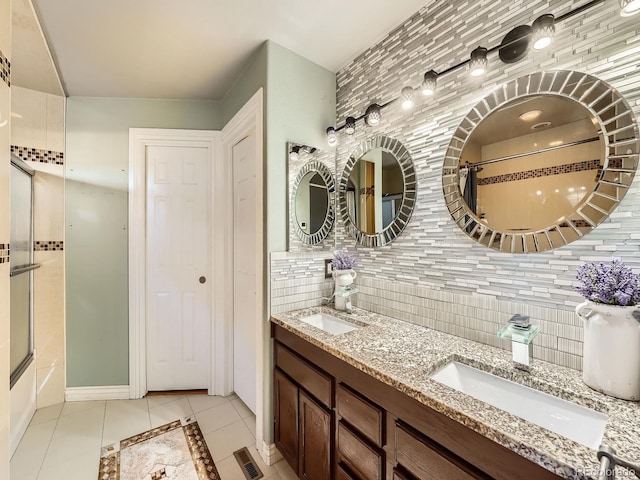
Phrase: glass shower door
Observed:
(22, 266)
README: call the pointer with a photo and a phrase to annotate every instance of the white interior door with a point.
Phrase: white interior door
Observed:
(177, 296)
(245, 309)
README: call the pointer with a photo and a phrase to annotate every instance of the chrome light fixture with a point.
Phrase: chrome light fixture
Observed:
(308, 149)
(543, 30)
(429, 83)
(373, 114)
(407, 98)
(514, 47)
(294, 154)
(332, 138)
(478, 63)
(350, 126)
(629, 7)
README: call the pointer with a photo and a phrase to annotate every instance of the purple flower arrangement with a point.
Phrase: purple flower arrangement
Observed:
(609, 283)
(343, 260)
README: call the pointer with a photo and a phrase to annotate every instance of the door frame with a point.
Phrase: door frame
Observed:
(248, 120)
(139, 139)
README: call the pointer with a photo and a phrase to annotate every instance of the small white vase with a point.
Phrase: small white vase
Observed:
(344, 278)
(611, 358)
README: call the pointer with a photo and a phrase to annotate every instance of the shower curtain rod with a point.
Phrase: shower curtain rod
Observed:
(520, 155)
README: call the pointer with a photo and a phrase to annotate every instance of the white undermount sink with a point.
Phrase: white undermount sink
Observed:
(570, 420)
(329, 324)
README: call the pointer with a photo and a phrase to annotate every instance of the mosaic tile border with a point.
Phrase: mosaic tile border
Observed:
(38, 155)
(4, 253)
(200, 454)
(5, 69)
(541, 172)
(48, 246)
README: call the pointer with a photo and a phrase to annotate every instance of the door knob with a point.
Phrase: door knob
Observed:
(203, 279)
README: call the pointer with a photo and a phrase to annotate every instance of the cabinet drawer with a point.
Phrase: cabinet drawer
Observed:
(361, 414)
(426, 460)
(397, 475)
(342, 474)
(313, 380)
(362, 459)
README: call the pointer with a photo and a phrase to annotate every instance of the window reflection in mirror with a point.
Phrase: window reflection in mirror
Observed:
(374, 191)
(532, 163)
(312, 203)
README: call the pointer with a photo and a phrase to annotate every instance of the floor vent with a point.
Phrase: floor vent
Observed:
(247, 464)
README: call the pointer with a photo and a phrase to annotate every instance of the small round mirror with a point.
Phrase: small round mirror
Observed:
(377, 191)
(312, 213)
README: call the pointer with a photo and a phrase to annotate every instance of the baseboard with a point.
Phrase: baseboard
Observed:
(269, 453)
(111, 392)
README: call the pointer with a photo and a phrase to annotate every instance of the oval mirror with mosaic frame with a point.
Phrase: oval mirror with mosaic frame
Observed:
(312, 211)
(540, 162)
(378, 191)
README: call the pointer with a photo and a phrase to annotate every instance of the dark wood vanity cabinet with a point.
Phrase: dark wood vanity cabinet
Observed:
(314, 440)
(333, 421)
(303, 425)
(286, 413)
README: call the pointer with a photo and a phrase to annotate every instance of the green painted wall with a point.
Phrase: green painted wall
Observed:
(253, 77)
(299, 104)
(97, 163)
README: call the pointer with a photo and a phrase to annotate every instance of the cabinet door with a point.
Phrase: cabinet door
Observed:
(286, 418)
(315, 440)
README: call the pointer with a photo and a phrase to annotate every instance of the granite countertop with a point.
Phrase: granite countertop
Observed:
(404, 356)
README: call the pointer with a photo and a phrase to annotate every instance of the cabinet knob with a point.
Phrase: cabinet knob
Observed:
(203, 279)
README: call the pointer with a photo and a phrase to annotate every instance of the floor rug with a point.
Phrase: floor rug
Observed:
(175, 451)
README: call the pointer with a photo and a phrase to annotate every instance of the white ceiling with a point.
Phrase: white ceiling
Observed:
(195, 49)
(31, 65)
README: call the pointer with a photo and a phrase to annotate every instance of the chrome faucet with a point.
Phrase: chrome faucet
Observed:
(328, 300)
(521, 333)
(608, 462)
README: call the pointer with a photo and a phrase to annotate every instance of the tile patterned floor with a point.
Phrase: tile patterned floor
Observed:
(64, 441)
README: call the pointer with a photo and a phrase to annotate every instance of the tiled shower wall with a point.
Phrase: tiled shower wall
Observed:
(5, 296)
(37, 137)
(433, 274)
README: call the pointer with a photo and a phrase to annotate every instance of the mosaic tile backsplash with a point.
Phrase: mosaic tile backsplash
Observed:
(540, 172)
(297, 281)
(38, 155)
(4, 253)
(433, 274)
(5, 69)
(50, 245)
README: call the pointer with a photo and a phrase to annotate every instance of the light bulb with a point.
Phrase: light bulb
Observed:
(429, 83)
(407, 98)
(373, 114)
(332, 138)
(542, 31)
(629, 7)
(478, 62)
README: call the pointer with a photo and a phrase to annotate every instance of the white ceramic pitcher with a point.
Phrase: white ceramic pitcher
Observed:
(344, 278)
(611, 362)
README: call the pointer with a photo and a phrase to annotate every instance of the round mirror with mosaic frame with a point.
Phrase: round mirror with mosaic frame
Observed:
(378, 191)
(541, 161)
(312, 209)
